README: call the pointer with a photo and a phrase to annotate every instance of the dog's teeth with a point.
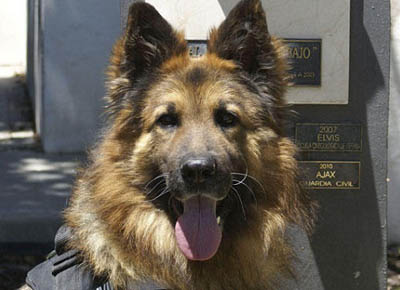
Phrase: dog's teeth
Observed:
(218, 220)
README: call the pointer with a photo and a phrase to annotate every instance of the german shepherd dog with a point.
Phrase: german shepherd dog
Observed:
(194, 182)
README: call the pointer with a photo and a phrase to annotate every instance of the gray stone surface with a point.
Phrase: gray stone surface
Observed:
(350, 239)
(34, 189)
(306, 274)
(15, 108)
(16, 120)
(75, 41)
(394, 131)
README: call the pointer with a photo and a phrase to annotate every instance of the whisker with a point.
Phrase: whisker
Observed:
(160, 182)
(253, 195)
(241, 203)
(160, 190)
(154, 179)
(254, 179)
(251, 192)
(244, 178)
(165, 191)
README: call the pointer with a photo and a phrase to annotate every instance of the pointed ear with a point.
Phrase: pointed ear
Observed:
(243, 37)
(149, 40)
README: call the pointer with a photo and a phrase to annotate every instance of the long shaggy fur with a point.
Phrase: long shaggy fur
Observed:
(128, 237)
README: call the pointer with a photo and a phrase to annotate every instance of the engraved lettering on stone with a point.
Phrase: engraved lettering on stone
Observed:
(330, 174)
(328, 137)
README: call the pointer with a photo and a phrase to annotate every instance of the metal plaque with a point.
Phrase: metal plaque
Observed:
(197, 48)
(330, 174)
(304, 57)
(329, 137)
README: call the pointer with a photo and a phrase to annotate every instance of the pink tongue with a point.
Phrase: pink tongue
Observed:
(196, 231)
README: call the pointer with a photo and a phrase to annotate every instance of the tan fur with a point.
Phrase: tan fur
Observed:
(123, 235)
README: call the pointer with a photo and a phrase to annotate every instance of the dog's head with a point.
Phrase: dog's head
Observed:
(199, 135)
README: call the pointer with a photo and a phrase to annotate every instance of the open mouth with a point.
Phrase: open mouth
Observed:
(199, 223)
(198, 230)
(198, 220)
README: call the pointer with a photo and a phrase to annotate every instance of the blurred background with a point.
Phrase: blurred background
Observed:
(52, 63)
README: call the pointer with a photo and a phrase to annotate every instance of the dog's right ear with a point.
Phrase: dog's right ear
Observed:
(149, 40)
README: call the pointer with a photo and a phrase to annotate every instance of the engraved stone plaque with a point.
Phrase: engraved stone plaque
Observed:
(330, 174)
(304, 57)
(329, 137)
(197, 48)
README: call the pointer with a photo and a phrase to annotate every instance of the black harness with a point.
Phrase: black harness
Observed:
(64, 270)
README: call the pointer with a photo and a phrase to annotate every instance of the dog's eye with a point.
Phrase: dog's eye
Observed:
(168, 120)
(226, 119)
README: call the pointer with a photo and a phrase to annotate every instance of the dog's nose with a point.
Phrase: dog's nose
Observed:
(198, 170)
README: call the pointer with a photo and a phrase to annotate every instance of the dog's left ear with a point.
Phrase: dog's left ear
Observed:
(244, 38)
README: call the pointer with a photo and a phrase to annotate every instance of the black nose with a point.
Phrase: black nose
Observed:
(198, 170)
